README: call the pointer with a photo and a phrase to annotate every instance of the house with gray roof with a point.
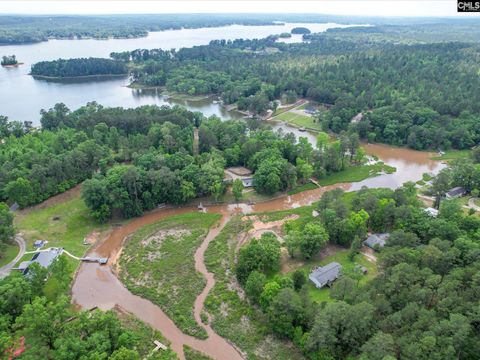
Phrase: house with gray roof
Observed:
(375, 241)
(455, 192)
(325, 275)
(42, 258)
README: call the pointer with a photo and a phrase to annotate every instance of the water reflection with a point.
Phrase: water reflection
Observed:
(23, 96)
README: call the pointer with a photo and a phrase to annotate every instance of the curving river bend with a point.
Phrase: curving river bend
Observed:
(97, 285)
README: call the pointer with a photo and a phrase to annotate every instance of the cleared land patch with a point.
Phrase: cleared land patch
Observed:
(63, 223)
(300, 120)
(157, 263)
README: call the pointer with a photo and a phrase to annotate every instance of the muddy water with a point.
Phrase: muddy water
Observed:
(97, 285)
(410, 165)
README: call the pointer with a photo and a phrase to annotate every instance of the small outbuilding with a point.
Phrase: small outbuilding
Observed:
(247, 182)
(39, 243)
(375, 241)
(455, 192)
(241, 173)
(325, 275)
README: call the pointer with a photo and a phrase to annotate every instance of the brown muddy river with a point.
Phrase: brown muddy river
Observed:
(97, 285)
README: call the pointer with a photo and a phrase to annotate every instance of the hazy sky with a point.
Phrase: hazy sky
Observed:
(340, 7)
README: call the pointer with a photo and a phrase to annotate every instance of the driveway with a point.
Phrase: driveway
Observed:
(472, 205)
(5, 270)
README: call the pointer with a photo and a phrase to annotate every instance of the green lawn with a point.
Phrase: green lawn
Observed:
(300, 188)
(73, 225)
(453, 155)
(8, 254)
(299, 120)
(356, 173)
(321, 295)
(157, 263)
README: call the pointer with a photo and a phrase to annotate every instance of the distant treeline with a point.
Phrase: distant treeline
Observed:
(30, 29)
(16, 29)
(79, 67)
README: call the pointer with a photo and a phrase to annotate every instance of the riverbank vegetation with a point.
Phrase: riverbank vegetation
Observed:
(232, 316)
(361, 316)
(78, 67)
(461, 172)
(157, 263)
(38, 321)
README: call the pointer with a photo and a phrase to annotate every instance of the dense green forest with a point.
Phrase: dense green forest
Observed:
(144, 157)
(410, 95)
(37, 309)
(79, 67)
(422, 304)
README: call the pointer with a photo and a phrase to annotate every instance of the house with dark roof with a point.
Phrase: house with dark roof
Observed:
(455, 192)
(42, 258)
(325, 275)
(375, 241)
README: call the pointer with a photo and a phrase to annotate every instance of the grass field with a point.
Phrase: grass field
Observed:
(157, 263)
(73, 224)
(233, 317)
(321, 295)
(191, 354)
(356, 173)
(300, 188)
(453, 155)
(299, 120)
(8, 254)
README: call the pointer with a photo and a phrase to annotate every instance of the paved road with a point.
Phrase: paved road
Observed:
(5, 270)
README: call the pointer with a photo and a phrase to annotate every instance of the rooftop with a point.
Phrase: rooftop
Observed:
(325, 275)
(240, 170)
(42, 258)
(376, 240)
(456, 191)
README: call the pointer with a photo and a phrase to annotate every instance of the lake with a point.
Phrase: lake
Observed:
(22, 96)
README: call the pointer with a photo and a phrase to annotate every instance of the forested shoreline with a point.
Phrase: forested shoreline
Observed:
(32, 29)
(408, 94)
(140, 158)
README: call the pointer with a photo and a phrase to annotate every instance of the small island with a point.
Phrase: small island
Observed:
(76, 68)
(285, 35)
(9, 61)
(300, 30)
